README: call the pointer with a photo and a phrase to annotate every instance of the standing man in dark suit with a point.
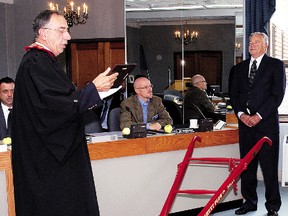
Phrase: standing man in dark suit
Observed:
(144, 107)
(257, 90)
(6, 96)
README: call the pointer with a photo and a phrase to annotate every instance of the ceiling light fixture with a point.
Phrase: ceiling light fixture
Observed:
(186, 36)
(237, 46)
(72, 16)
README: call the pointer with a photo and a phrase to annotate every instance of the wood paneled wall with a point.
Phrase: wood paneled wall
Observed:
(90, 58)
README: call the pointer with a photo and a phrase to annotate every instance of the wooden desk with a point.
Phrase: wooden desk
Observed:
(231, 118)
(5, 164)
(130, 147)
(153, 144)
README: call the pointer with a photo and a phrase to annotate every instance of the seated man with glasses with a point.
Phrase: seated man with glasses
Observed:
(196, 102)
(143, 107)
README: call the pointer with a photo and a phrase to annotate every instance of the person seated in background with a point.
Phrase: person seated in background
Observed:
(144, 107)
(7, 85)
(96, 120)
(109, 104)
(197, 105)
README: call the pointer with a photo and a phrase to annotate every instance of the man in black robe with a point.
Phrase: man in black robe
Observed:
(51, 165)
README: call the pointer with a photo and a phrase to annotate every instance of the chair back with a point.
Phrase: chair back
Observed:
(175, 111)
(114, 120)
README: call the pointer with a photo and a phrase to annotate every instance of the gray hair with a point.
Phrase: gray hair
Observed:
(42, 19)
(196, 78)
(265, 37)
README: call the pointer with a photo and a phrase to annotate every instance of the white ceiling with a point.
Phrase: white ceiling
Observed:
(181, 4)
(191, 11)
(170, 12)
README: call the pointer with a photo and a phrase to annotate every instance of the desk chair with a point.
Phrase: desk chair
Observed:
(175, 111)
(114, 120)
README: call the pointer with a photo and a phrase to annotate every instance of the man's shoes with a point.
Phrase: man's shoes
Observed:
(272, 213)
(244, 210)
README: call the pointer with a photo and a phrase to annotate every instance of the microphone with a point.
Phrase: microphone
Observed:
(138, 130)
(220, 95)
(205, 124)
(199, 111)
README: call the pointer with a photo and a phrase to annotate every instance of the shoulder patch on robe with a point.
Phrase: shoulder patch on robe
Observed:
(39, 47)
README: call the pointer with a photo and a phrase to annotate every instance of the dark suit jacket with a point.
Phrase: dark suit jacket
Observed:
(265, 95)
(3, 129)
(132, 113)
(197, 97)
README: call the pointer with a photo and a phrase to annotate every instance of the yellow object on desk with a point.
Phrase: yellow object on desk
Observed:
(126, 131)
(7, 141)
(168, 128)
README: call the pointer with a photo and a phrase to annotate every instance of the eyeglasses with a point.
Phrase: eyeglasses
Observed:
(145, 87)
(60, 30)
(203, 81)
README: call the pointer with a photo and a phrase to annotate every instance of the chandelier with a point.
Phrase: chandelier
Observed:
(188, 36)
(73, 17)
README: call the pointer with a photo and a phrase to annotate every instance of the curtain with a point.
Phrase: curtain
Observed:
(257, 16)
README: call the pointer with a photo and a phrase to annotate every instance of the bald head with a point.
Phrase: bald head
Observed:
(143, 88)
(199, 82)
(139, 81)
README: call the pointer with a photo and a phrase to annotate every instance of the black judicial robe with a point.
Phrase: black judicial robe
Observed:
(51, 165)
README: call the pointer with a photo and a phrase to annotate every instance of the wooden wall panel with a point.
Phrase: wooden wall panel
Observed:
(210, 66)
(88, 59)
(206, 63)
(114, 54)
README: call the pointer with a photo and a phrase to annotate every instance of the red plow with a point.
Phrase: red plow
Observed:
(236, 167)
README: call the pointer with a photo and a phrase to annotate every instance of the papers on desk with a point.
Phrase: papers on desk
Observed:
(3, 148)
(103, 137)
(219, 125)
(108, 93)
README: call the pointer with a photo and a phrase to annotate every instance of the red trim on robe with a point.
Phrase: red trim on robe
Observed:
(39, 47)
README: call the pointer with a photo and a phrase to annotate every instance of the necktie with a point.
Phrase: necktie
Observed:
(9, 120)
(253, 71)
(252, 75)
(104, 111)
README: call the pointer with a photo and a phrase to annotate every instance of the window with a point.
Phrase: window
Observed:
(279, 43)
